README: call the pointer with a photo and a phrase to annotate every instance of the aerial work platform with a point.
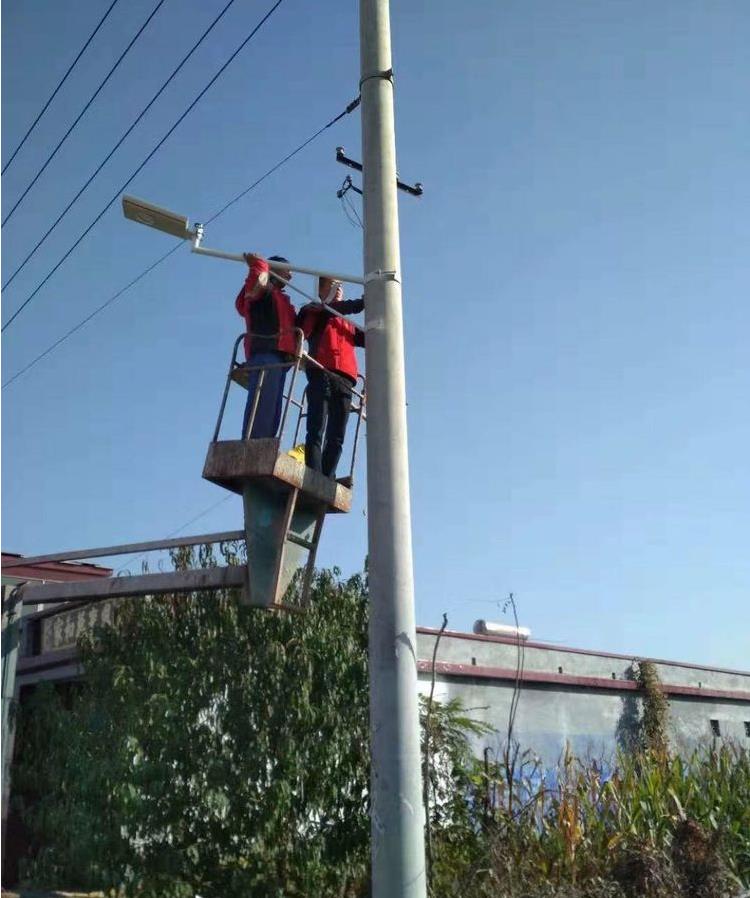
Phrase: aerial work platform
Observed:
(230, 463)
(284, 501)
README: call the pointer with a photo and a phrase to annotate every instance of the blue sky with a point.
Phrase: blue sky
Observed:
(575, 293)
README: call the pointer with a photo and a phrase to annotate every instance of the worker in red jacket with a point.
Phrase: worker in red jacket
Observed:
(269, 341)
(331, 342)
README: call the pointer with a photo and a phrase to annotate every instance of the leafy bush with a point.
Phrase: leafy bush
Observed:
(213, 748)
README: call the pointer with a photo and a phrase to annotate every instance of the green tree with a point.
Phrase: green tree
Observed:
(213, 748)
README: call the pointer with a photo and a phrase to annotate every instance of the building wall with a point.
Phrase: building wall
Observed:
(568, 696)
(45, 628)
(15, 840)
(575, 697)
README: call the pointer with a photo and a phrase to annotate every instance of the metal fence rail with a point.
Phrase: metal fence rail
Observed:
(228, 577)
(129, 548)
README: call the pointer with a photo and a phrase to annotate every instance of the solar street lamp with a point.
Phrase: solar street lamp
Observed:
(156, 217)
(177, 225)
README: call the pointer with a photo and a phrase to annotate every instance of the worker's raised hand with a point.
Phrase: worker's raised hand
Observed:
(330, 291)
(252, 258)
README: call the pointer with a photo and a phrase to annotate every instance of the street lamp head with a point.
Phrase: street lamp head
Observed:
(156, 217)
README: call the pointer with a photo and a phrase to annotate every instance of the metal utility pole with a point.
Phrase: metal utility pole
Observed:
(398, 861)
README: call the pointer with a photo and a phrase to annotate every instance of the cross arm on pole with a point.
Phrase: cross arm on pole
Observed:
(416, 189)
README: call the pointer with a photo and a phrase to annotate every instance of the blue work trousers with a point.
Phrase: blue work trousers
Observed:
(268, 413)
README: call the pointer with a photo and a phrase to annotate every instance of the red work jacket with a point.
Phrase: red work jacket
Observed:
(268, 313)
(331, 340)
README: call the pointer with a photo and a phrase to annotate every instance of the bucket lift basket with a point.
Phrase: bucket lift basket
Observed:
(284, 502)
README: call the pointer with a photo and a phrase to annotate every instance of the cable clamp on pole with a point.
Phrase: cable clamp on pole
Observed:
(380, 275)
(386, 75)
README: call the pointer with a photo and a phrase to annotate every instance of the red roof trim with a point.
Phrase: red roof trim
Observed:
(444, 668)
(448, 669)
(56, 571)
(547, 646)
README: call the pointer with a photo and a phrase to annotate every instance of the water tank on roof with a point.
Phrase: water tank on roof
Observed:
(492, 628)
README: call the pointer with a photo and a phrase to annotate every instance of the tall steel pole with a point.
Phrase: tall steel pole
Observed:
(398, 865)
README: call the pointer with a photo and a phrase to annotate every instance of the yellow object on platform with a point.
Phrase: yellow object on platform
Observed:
(298, 453)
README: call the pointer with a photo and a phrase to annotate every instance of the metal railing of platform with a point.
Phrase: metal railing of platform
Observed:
(239, 373)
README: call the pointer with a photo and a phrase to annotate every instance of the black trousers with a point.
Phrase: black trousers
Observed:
(328, 405)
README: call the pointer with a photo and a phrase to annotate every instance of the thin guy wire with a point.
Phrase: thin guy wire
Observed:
(120, 141)
(59, 85)
(176, 532)
(358, 222)
(346, 212)
(350, 108)
(354, 210)
(83, 111)
(142, 165)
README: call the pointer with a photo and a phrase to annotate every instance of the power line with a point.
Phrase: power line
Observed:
(83, 111)
(355, 223)
(346, 212)
(93, 314)
(176, 532)
(120, 141)
(60, 84)
(350, 108)
(143, 164)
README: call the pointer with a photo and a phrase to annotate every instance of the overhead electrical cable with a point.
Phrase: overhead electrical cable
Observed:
(93, 314)
(119, 143)
(83, 111)
(350, 108)
(356, 221)
(142, 165)
(202, 514)
(59, 85)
